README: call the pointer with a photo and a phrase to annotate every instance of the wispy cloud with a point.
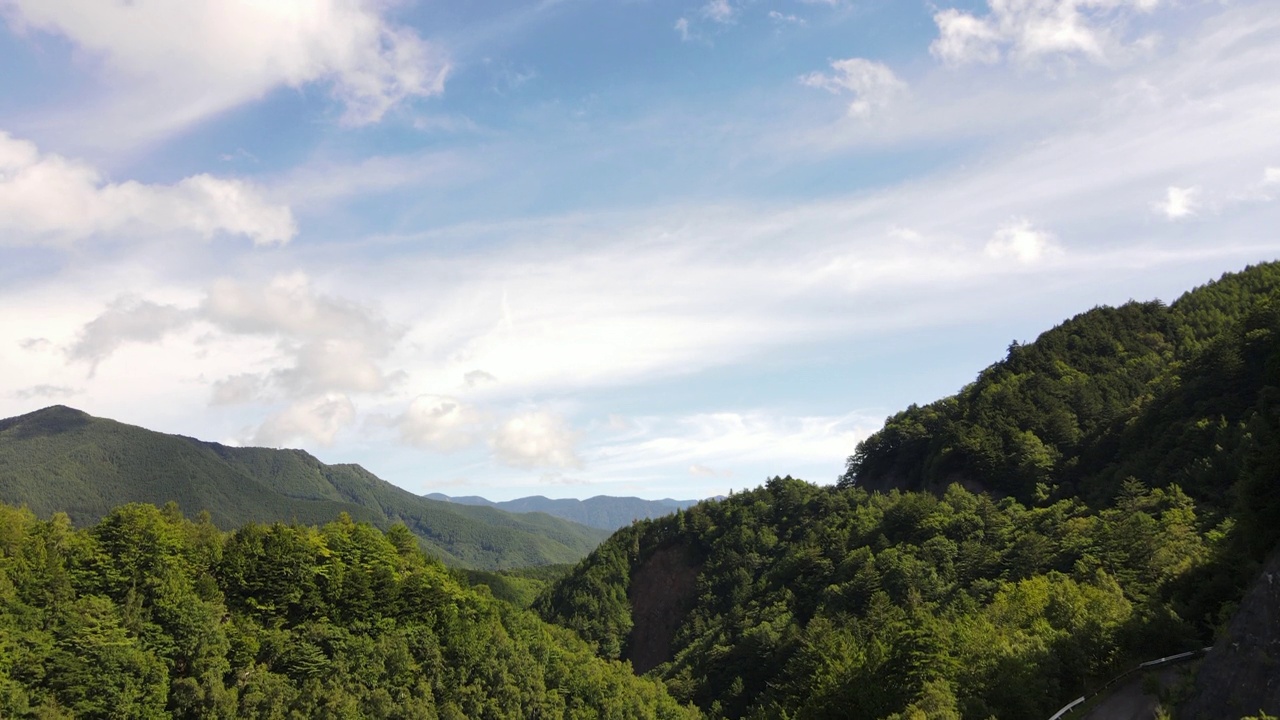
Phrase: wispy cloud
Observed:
(872, 84)
(682, 29)
(1031, 31)
(721, 11)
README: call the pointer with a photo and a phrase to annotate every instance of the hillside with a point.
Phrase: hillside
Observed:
(1051, 412)
(1100, 497)
(63, 460)
(602, 511)
(149, 615)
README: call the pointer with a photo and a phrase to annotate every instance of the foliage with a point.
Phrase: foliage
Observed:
(835, 602)
(518, 586)
(147, 614)
(1047, 412)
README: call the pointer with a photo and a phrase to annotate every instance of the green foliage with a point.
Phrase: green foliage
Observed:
(518, 586)
(835, 602)
(147, 614)
(62, 460)
(1047, 414)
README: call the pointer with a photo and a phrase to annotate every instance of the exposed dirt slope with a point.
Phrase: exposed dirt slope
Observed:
(662, 590)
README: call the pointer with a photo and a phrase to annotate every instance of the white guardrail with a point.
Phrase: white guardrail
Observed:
(1148, 664)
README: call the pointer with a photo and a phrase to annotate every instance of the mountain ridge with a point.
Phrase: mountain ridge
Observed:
(60, 459)
(606, 512)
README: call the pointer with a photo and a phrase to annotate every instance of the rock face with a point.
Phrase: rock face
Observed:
(662, 590)
(1241, 675)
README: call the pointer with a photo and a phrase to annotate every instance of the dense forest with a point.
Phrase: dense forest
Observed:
(147, 614)
(1101, 496)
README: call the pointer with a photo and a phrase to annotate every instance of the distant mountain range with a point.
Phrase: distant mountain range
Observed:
(63, 460)
(602, 511)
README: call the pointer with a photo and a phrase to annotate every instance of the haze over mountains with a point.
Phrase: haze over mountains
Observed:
(602, 511)
(63, 460)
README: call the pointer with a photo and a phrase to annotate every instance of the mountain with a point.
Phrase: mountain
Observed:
(1101, 497)
(602, 511)
(1052, 411)
(63, 460)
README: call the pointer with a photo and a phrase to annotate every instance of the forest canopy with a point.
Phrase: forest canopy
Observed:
(148, 614)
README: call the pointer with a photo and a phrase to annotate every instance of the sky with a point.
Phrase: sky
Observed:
(662, 248)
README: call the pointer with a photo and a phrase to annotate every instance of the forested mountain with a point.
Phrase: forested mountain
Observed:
(1101, 496)
(148, 615)
(1053, 411)
(602, 511)
(63, 460)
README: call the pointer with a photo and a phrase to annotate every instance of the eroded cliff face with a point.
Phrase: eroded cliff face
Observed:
(662, 591)
(1241, 675)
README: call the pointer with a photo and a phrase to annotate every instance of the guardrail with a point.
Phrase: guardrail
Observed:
(1142, 666)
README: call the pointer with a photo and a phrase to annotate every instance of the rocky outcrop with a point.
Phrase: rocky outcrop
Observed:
(1241, 675)
(662, 591)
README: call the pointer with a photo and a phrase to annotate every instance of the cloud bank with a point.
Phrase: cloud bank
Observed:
(46, 198)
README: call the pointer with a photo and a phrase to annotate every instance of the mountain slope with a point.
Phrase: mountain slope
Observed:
(60, 459)
(602, 511)
(1135, 461)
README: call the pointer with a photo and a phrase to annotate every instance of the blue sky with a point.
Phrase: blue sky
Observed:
(573, 247)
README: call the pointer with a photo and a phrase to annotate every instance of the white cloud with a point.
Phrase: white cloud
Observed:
(963, 38)
(699, 470)
(536, 439)
(314, 420)
(1027, 30)
(872, 84)
(238, 389)
(127, 319)
(478, 378)
(1271, 176)
(720, 11)
(1178, 203)
(325, 345)
(193, 58)
(682, 27)
(785, 19)
(289, 305)
(335, 363)
(49, 198)
(713, 444)
(443, 424)
(1019, 240)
